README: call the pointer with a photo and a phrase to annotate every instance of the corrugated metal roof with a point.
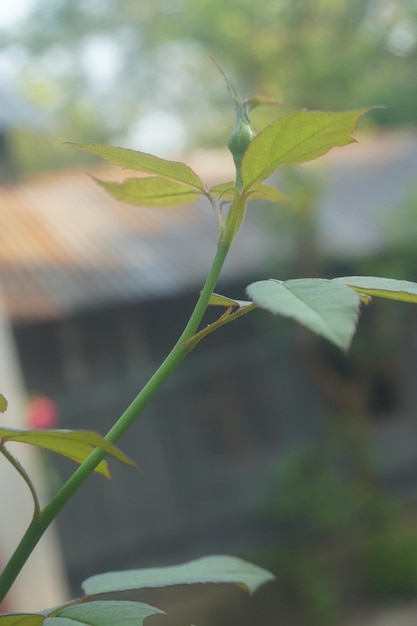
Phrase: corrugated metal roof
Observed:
(366, 188)
(65, 244)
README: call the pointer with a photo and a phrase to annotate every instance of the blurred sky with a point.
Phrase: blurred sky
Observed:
(158, 131)
(140, 76)
(11, 12)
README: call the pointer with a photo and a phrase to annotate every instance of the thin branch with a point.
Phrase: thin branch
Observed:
(224, 319)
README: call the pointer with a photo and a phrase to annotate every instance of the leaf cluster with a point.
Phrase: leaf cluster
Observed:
(92, 610)
(329, 308)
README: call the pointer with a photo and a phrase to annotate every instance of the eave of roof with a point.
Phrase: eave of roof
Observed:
(66, 245)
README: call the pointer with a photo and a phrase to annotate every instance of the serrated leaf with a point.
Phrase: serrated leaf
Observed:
(314, 302)
(21, 619)
(143, 162)
(210, 569)
(73, 444)
(403, 290)
(152, 191)
(218, 300)
(104, 613)
(3, 403)
(295, 138)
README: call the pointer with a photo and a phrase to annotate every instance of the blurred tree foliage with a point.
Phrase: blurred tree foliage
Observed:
(123, 63)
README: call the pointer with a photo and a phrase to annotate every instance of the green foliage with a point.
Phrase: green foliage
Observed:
(210, 569)
(96, 612)
(152, 191)
(402, 290)
(323, 54)
(76, 445)
(296, 138)
(143, 162)
(327, 307)
(22, 619)
(309, 492)
(3, 403)
(103, 613)
(389, 567)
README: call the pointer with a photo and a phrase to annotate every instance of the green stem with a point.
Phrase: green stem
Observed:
(40, 524)
(224, 319)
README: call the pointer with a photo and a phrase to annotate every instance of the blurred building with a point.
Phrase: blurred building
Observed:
(96, 292)
(43, 581)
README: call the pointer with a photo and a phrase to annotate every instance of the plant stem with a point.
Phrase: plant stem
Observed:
(40, 524)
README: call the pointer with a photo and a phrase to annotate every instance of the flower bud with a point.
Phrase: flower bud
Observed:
(239, 140)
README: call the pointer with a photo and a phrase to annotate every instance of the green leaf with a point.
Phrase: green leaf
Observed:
(73, 444)
(3, 403)
(21, 619)
(104, 613)
(224, 190)
(218, 300)
(153, 191)
(258, 191)
(326, 307)
(390, 288)
(297, 137)
(267, 192)
(143, 162)
(210, 569)
(257, 101)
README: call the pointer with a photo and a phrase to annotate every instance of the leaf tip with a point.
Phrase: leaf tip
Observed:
(3, 403)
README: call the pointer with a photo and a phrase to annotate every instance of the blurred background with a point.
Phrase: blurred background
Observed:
(267, 443)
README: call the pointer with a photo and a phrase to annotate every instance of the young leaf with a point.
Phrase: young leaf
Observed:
(217, 300)
(103, 613)
(267, 192)
(210, 569)
(21, 619)
(390, 288)
(258, 191)
(295, 138)
(73, 444)
(152, 191)
(257, 101)
(3, 403)
(143, 162)
(313, 302)
(224, 190)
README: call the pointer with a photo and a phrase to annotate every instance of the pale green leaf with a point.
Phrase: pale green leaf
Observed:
(153, 191)
(21, 619)
(218, 300)
(295, 138)
(327, 308)
(390, 288)
(73, 444)
(3, 403)
(104, 613)
(260, 191)
(224, 190)
(210, 569)
(257, 101)
(143, 162)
